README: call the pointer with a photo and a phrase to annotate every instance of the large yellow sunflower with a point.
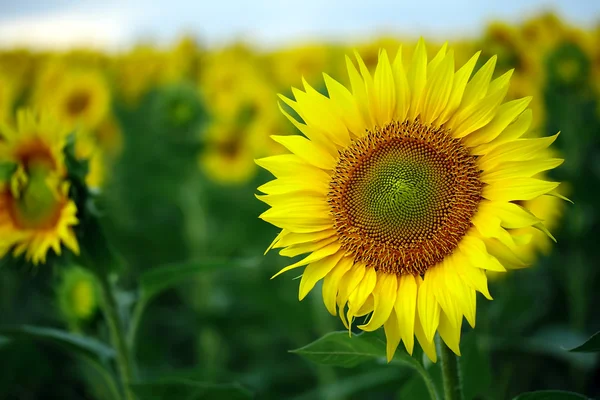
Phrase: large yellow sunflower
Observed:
(404, 191)
(36, 213)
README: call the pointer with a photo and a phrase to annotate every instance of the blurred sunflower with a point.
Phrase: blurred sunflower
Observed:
(7, 97)
(302, 61)
(404, 192)
(80, 99)
(228, 157)
(36, 213)
(77, 295)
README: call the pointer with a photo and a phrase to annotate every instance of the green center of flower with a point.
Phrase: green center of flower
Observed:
(403, 196)
(397, 192)
(34, 198)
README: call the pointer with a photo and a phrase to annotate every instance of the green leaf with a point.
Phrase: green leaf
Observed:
(550, 395)
(186, 389)
(592, 345)
(80, 345)
(339, 349)
(156, 280)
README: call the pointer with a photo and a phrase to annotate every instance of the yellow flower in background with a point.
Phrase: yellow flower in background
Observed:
(7, 97)
(307, 61)
(542, 32)
(80, 99)
(231, 80)
(36, 213)
(404, 191)
(17, 68)
(229, 153)
(77, 294)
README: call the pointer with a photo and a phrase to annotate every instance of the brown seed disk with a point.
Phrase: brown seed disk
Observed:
(403, 196)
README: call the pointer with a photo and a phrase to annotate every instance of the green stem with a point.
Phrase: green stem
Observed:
(136, 318)
(450, 372)
(427, 379)
(117, 336)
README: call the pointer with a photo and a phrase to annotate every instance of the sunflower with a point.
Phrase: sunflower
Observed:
(36, 213)
(80, 99)
(228, 157)
(404, 191)
(77, 294)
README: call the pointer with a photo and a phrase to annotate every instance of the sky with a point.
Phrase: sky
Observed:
(114, 24)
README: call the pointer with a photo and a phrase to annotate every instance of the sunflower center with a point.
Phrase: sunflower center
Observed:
(78, 103)
(33, 201)
(403, 196)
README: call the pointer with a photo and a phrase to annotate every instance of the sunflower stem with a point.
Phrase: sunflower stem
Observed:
(117, 335)
(450, 372)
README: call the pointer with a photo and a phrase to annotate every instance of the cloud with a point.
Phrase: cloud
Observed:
(66, 28)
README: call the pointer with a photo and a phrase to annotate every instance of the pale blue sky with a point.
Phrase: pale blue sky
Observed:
(117, 24)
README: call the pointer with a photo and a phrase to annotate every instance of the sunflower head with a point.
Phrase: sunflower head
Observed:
(403, 191)
(77, 294)
(77, 98)
(36, 213)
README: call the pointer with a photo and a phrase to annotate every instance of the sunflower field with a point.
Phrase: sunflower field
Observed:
(398, 184)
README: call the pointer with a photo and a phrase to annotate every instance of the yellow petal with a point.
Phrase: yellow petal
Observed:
(405, 307)
(359, 90)
(295, 184)
(506, 114)
(392, 336)
(384, 89)
(347, 108)
(473, 277)
(332, 281)
(384, 297)
(520, 169)
(512, 132)
(316, 271)
(428, 307)
(475, 249)
(363, 290)
(458, 88)
(516, 150)
(347, 286)
(518, 189)
(316, 256)
(417, 78)
(446, 287)
(402, 87)
(307, 151)
(313, 134)
(477, 88)
(427, 345)
(287, 238)
(302, 248)
(438, 89)
(450, 333)
(482, 114)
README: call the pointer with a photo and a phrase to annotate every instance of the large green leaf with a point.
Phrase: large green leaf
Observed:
(343, 350)
(550, 395)
(186, 389)
(592, 345)
(158, 279)
(80, 345)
